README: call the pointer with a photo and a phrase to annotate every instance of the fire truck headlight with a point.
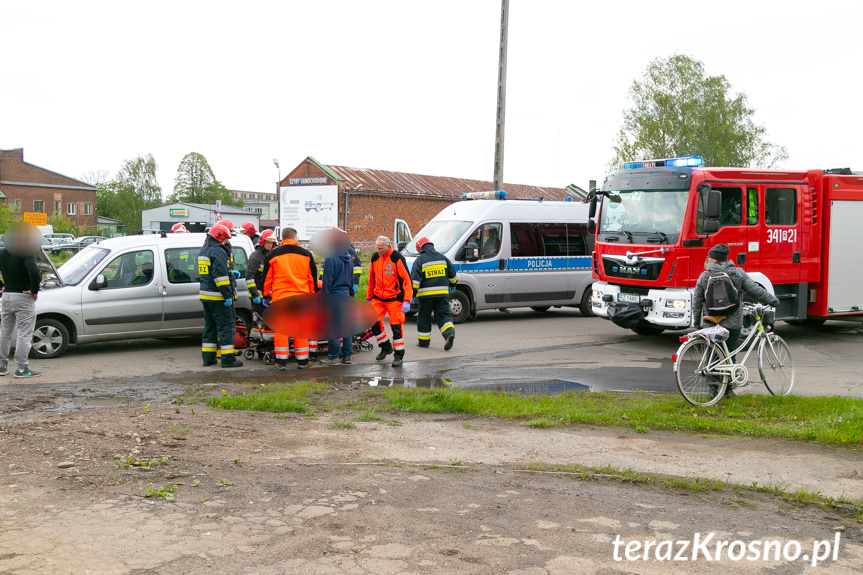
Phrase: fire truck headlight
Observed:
(676, 303)
(596, 294)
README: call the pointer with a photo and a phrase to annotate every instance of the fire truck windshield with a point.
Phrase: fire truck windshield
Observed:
(642, 216)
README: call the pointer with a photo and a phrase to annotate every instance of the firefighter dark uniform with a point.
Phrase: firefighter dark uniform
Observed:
(217, 297)
(289, 270)
(255, 276)
(358, 267)
(389, 286)
(433, 275)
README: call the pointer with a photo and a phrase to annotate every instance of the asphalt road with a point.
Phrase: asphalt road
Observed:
(526, 350)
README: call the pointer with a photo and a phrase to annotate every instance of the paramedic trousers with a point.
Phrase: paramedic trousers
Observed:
(439, 306)
(343, 346)
(283, 349)
(393, 309)
(218, 332)
(18, 310)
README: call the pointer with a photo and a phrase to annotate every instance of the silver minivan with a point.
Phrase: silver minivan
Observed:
(127, 288)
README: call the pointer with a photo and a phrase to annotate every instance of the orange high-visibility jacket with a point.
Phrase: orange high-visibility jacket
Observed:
(389, 279)
(289, 270)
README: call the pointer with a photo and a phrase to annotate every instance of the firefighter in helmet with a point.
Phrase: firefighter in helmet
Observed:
(255, 270)
(179, 229)
(217, 297)
(433, 277)
(249, 229)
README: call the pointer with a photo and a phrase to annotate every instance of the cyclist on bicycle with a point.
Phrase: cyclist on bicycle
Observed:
(717, 261)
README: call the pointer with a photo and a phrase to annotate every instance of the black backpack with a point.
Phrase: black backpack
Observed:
(720, 297)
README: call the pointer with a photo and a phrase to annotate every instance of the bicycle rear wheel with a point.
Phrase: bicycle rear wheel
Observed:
(696, 384)
(776, 365)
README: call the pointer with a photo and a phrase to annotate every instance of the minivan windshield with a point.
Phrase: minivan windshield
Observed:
(442, 233)
(77, 268)
(657, 213)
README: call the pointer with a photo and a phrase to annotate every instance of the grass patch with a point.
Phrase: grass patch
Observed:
(829, 420)
(343, 424)
(180, 429)
(294, 398)
(368, 416)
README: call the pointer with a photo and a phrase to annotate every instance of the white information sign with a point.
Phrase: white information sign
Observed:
(308, 209)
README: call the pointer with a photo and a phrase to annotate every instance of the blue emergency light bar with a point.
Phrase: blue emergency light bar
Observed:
(686, 162)
(500, 195)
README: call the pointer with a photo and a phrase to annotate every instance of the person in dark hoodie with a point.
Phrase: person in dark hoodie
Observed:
(21, 277)
(338, 279)
(717, 261)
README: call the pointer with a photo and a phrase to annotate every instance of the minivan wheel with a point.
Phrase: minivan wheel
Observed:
(459, 306)
(586, 307)
(50, 339)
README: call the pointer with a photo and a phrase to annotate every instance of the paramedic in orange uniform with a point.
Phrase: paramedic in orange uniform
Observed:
(390, 294)
(289, 270)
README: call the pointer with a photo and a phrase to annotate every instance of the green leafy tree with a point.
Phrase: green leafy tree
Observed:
(7, 217)
(134, 189)
(678, 110)
(196, 184)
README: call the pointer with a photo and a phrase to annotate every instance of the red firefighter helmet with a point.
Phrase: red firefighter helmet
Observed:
(423, 241)
(267, 235)
(228, 224)
(220, 232)
(249, 228)
(179, 229)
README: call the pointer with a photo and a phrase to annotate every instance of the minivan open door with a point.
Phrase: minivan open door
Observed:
(401, 234)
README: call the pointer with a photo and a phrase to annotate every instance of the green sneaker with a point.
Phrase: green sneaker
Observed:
(26, 372)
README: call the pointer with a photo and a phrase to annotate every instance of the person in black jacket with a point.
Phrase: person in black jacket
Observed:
(21, 277)
(433, 277)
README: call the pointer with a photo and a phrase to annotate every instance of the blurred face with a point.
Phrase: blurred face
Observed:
(381, 247)
(269, 244)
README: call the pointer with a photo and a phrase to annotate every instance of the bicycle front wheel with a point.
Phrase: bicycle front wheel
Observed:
(697, 384)
(776, 365)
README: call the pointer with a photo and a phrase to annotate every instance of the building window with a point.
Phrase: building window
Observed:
(88, 209)
(14, 206)
(39, 206)
(70, 209)
(57, 204)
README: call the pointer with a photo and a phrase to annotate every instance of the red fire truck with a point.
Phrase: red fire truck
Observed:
(795, 232)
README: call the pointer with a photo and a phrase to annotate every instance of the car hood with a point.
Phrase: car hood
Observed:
(50, 277)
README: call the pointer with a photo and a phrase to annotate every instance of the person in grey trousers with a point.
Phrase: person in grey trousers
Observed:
(18, 309)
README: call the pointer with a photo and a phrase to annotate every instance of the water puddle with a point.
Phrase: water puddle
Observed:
(104, 401)
(548, 387)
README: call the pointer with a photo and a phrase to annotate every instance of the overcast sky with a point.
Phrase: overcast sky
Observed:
(403, 85)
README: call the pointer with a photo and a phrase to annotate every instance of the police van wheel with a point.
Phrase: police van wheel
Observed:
(586, 307)
(459, 306)
(540, 308)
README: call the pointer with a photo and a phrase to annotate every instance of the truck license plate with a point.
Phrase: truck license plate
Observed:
(634, 298)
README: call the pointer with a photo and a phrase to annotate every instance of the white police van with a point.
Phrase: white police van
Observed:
(511, 253)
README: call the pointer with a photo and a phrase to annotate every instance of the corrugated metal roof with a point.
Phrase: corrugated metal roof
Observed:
(364, 179)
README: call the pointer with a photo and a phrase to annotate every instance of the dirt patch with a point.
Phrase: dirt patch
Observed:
(239, 492)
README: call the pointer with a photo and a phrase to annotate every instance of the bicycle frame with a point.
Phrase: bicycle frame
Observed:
(725, 366)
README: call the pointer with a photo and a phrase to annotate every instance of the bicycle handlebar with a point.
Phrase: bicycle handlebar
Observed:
(758, 308)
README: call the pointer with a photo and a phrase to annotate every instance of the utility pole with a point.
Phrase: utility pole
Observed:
(501, 99)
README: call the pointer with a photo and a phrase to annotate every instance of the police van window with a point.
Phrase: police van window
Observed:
(751, 206)
(730, 210)
(182, 265)
(780, 206)
(240, 261)
(129, 270)
(532, 240)
(487, 238)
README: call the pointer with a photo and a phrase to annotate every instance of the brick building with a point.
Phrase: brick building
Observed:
(370, 200)
(29, 188)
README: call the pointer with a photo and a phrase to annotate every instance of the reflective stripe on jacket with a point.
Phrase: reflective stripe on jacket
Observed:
(215, 283)
(389, 279)
(432, 273)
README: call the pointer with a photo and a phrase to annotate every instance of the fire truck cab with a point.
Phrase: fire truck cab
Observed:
(791, 231)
